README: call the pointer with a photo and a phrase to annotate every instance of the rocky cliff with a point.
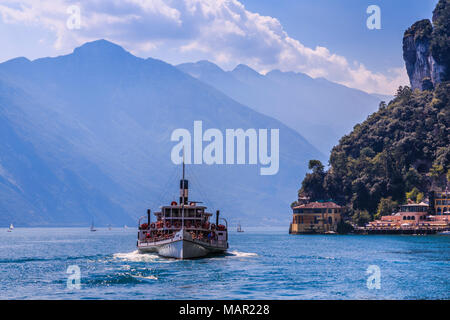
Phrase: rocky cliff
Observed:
(426, 49)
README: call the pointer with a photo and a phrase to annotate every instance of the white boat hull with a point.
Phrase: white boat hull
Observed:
(180, 247)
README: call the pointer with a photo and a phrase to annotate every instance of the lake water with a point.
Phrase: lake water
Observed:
(259, 265)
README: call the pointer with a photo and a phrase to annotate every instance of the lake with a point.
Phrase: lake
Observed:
(259, 265)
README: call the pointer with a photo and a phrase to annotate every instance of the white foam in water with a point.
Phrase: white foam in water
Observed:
(243, 254)
(135, 256)
(146, 278)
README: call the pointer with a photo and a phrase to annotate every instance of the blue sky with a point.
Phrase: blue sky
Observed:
(341, 26)
(322, 38)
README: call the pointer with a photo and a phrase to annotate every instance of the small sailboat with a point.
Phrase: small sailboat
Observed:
(239, 228)
(11, 228)
(92, 227)
(109, 227)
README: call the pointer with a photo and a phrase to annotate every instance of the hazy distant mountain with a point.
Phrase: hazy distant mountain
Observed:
(320, 110)
(86, 137)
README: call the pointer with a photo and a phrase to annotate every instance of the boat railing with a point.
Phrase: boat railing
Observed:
(204, 239)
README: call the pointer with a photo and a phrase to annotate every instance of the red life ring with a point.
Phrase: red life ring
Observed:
(144, 226)
(173, 203)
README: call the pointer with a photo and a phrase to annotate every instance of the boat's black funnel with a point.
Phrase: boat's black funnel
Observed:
(217, 217)
(184, 191)
(148, 217)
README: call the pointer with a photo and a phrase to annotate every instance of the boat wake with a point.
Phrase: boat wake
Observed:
(146, 278)
(135, 256)
(242, 254)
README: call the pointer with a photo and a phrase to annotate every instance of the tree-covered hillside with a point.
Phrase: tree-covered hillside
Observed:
(403, 150)
(402, 146)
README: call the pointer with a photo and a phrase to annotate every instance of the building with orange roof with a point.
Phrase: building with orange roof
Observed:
(412, 218)
(315, 217)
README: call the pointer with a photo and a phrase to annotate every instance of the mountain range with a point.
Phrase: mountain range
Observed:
(85, 137)
(320, 110)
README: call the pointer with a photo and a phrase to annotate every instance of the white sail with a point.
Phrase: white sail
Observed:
(11, 227)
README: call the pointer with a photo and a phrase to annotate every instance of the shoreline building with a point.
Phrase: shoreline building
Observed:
(413, 218)
(440, 201)
(315, 217)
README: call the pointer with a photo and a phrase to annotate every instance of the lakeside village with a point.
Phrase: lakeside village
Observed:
(430, 216)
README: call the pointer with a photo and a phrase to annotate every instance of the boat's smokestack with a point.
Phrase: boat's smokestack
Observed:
(184, 191)
(217, 217)
(148, 217)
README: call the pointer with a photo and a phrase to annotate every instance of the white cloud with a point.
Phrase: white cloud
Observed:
(222, 30)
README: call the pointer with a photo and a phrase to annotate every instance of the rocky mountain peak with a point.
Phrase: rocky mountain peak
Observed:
(426, 49)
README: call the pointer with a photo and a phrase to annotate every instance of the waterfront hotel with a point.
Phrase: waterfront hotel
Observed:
(440, 202)
(412, 218)
(315, 217)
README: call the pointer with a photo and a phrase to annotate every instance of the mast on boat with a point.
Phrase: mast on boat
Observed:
(183, 191)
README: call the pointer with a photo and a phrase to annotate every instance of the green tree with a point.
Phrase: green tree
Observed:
(361, 217)
(415, 195)
(344, 227)
(313, 184)
(413, 179)
(386, 206)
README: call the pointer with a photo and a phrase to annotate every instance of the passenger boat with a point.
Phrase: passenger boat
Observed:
(182, 230)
